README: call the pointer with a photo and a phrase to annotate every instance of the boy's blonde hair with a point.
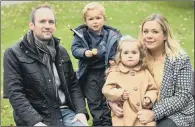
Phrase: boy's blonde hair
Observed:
(172, 47)
(92, 6)
(129, 39)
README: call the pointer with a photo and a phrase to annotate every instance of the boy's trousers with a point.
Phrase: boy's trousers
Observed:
(93, 83)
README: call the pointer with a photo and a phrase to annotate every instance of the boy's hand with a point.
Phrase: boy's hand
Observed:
(88, 53)
(94, 51)
(125, 95)
(147, 102)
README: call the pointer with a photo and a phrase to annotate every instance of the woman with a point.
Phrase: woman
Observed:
(172, 72)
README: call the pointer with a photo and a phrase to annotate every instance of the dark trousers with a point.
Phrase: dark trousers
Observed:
(166, 122)
(98, 107)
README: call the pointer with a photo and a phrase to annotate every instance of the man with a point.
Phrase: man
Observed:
(39, 77)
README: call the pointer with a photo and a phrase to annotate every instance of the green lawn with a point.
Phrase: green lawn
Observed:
(125, 15)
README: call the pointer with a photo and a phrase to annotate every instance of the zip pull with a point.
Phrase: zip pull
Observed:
(56, 91)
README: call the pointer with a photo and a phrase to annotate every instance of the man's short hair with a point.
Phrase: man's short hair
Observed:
(32, 16)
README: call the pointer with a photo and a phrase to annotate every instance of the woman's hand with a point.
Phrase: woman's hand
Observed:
(110, 69)
(118, 111)
(147, 103)
(111, 62)
(145, 116)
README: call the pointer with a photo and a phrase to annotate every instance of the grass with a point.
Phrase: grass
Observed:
(125, 16)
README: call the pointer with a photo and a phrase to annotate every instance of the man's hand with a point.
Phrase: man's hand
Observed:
(82, 118)
(40, 124)
(118, 111)
(88, 53)
(145, 116)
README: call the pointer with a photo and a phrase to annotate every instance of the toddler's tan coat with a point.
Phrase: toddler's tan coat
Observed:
(139, 83)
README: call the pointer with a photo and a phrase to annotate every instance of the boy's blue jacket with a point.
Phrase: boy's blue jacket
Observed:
(80, 45)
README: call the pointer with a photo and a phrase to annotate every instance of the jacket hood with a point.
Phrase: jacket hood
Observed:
(106, 27)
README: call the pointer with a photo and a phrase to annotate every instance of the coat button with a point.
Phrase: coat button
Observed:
(138, 104)
(135, 89)
(132, 73)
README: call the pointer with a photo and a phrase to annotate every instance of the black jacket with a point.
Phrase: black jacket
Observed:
(30, 88)
(80, 45)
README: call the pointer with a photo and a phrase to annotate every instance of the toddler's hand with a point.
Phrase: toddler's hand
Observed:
(125, 95)
(88, 53)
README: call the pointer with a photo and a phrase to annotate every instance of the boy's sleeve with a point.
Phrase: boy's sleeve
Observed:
(111, 89)
(78, 50)
(151, 91)
(113, 51)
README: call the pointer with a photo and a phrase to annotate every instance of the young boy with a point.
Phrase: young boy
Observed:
(94, 44)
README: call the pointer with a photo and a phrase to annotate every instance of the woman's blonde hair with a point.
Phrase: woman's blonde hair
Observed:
(92, 6)
(172, 47)
(129, 39)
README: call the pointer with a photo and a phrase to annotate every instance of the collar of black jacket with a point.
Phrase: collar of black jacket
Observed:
(31, 46)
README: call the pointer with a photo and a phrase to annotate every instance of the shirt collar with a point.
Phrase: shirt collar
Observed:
(103, 32)
(124, 69)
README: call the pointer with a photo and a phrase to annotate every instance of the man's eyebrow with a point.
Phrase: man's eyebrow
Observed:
(41, 20)
(45, 20)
